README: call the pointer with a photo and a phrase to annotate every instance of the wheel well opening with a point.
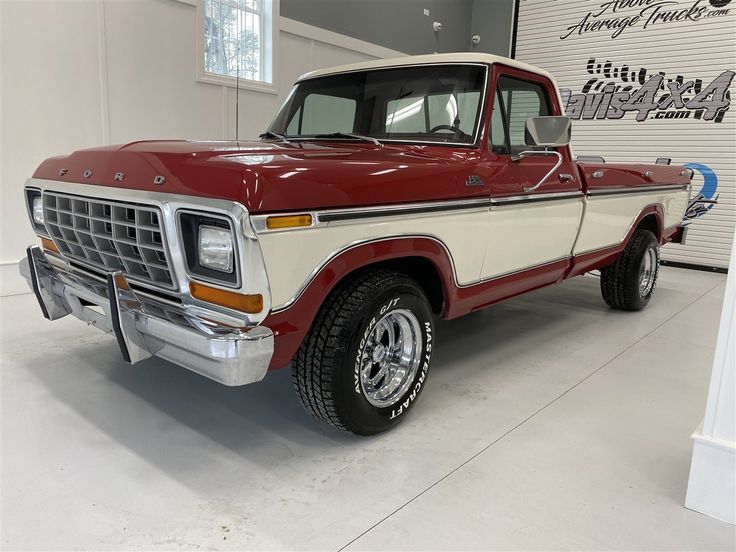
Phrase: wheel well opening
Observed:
(650, 223)
(423, 272)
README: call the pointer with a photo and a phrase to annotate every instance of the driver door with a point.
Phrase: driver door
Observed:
(536, 197)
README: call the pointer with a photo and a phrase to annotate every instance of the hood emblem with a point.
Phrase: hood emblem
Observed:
(87, 173)
(158, 180)
(63, 172)
(119, 176)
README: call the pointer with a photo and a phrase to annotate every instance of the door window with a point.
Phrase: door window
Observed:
(499, 143)
(518, 100)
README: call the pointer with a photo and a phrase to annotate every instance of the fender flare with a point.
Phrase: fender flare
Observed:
(656, 209)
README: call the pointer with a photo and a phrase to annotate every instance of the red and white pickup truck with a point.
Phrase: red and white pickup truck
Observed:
(384, 193)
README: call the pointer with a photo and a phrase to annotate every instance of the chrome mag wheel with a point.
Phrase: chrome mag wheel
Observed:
(648, 272)
(390, 358)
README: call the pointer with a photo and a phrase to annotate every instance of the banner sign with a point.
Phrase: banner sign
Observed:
(617, 90)
(651, 15)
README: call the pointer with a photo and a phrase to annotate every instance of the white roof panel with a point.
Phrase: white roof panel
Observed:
(458, 57)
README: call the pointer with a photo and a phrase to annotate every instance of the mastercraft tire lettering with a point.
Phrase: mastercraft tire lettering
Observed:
(365, 361)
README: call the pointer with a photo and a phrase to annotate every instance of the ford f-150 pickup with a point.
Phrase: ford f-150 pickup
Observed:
(383, 195)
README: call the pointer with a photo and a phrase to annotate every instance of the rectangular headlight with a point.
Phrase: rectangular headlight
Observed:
(210, 247)
(37, 210)
(215, 248)
(34, 202)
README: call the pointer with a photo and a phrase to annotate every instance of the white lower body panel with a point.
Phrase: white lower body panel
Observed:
(608, 218)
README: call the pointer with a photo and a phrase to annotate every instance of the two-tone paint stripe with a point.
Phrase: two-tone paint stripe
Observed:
(597, 192)
(323, 217)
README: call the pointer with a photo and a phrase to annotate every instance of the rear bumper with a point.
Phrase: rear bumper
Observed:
(145, 328)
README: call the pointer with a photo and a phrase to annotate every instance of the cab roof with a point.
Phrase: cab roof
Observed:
(407, 61)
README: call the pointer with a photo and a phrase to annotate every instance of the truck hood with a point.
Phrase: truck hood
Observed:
(272, 176)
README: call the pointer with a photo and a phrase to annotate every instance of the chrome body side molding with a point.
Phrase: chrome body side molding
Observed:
(597, 192)
(328, 216)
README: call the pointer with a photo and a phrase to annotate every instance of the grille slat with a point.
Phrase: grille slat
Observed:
(109, 235)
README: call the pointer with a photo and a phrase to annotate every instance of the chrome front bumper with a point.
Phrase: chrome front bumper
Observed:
(231, 356)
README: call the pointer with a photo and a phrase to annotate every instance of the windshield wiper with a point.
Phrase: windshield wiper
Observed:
(350, 135)
(269, 134)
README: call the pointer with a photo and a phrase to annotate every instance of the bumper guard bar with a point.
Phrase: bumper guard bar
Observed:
(231, 356)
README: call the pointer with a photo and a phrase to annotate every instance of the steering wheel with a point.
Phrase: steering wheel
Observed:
(454, 129)
(459, 134)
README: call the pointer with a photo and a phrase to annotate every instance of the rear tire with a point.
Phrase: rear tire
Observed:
(628, 284)
(364, 362)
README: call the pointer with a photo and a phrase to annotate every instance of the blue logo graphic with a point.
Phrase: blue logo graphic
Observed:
(706, 198)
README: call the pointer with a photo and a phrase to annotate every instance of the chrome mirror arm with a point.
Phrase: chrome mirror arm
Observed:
(546, 153)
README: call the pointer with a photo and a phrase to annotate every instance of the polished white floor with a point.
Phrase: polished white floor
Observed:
(549, 422)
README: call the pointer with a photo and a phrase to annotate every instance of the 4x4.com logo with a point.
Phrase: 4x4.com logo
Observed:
(615, 90)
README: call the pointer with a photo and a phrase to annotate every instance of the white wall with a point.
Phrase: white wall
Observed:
(84, 73)
(711, 489)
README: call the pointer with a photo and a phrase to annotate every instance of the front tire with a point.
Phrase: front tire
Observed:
(628, 284)
(364, 362)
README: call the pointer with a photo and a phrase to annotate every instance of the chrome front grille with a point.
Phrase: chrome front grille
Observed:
(110, 235)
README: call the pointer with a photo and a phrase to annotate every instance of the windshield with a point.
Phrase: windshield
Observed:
(436, 103)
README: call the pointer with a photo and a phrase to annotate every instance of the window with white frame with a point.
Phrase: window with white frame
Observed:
(238, 37)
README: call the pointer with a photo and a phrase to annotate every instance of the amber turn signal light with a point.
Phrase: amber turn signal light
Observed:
(251, 304)
(48, 245)
(288, 221)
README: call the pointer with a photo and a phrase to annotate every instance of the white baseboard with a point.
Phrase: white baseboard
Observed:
(712, 487)
(11, 282)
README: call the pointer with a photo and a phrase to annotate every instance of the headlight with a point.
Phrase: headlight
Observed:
(37, 209)
(34, 201)
(215, 248)
(209, 246)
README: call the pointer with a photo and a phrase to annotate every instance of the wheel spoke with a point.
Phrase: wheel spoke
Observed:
(391, 335)
(391, 358)
(383, 371)
(648, 272)
(379, 331)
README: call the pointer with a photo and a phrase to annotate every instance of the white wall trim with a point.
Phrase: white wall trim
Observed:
(712, 441)
(512, 34)
(298, 28)
(711, 485)
(712, 482)
(104, 84)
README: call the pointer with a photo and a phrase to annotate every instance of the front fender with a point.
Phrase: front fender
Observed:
(291, 323)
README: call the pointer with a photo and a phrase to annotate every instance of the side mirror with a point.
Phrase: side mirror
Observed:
(547, 131)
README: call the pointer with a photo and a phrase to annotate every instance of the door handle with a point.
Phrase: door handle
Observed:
(564, 177)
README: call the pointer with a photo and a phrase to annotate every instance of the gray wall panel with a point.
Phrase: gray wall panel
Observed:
(493, 21)
(397, 24)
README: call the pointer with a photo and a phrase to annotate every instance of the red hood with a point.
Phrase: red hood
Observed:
(273, 176)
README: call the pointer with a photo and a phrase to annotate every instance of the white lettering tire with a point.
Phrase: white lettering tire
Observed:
(364, 362)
